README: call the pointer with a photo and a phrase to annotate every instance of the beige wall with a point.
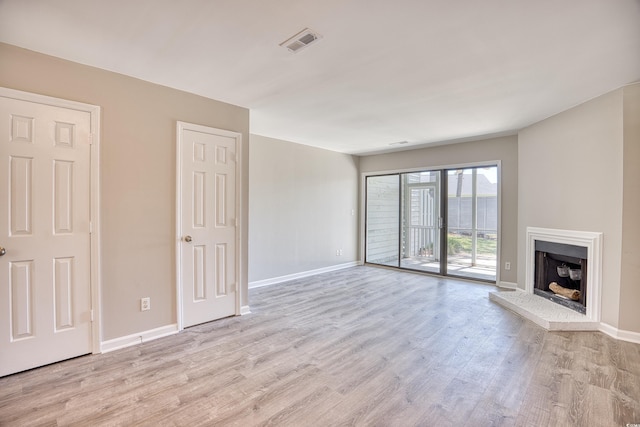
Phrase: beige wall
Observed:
(504, 149)
(630, 274)
(302, 200)
(570, 177)
(137, 177)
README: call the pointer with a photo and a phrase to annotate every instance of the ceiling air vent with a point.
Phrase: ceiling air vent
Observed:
(301, 40)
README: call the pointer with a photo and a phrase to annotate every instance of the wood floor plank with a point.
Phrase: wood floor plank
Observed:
(362, 347)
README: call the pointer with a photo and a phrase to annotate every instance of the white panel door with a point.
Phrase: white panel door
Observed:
(45, 293)
(208, 226)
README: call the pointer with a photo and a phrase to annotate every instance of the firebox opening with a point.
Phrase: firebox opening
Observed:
(565, 266)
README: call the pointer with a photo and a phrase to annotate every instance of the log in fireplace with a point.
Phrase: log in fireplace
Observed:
(564, 265)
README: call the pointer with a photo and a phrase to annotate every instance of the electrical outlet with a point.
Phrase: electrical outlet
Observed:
(145, 304)
(507, 266)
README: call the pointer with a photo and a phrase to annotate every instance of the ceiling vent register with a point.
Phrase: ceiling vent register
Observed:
(301, 40)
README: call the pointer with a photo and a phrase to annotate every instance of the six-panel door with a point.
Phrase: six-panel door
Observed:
(45, 294)
(209, 231)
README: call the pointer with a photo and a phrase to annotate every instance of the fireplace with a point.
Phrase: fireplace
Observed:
(561, 274)
(571, 259)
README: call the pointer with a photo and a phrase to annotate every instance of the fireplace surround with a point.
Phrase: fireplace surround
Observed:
(578, 250)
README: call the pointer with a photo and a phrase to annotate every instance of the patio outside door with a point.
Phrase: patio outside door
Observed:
(422, 221)
(472, 222)
(383, 220)
(404, 221)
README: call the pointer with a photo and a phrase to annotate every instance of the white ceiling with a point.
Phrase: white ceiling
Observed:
(423, 71)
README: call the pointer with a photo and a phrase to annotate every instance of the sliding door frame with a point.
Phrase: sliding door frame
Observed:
(444, 226)
(443, 211)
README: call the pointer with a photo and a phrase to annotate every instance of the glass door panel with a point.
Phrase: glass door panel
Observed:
(472, 222)
(383, 220)
(420, 249)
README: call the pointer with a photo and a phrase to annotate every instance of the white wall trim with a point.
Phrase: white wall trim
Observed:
(620, 334)
(96, 273)
(138, 338)
(507, 285)
(302, 274)
(94, 202)
(245, 309)
(178, 229)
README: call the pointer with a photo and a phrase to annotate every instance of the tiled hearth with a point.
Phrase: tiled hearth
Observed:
(543, 312)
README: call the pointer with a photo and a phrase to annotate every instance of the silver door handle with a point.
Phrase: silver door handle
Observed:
(187, 239)
(2, 251)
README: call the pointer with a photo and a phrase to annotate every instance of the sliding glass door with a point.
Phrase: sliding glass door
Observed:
(383, 220)
(420, 221)
(472, 222)
(420, 225)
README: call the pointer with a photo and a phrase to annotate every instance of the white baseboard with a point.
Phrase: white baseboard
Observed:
(138, 338)
(507, 285)
(245, 310)
(288, 277)
(619, 334)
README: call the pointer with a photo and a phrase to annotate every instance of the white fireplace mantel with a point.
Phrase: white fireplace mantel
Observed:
(591, 240)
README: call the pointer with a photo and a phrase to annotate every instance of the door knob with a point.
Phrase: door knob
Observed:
(187, 239)
(2, 251)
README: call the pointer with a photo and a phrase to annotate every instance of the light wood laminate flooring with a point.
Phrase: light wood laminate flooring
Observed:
(363, 346)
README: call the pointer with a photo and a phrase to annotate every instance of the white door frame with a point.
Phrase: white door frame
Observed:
(94, 228)
(180, 126)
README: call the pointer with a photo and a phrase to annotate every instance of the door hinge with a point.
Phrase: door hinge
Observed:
(90, 227)
(91, 311)
(90, 139)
